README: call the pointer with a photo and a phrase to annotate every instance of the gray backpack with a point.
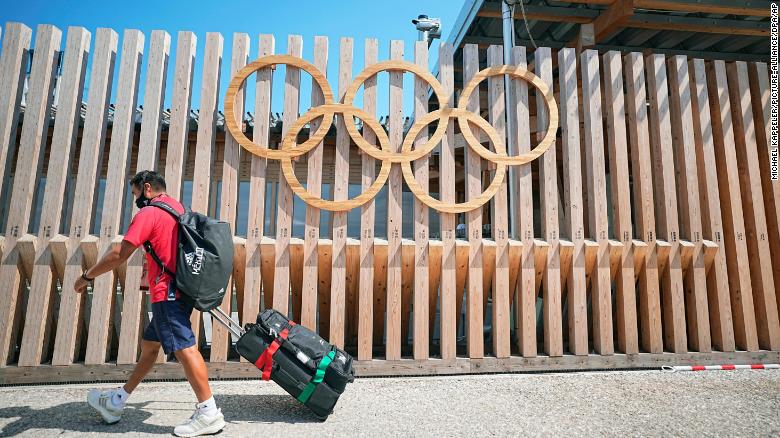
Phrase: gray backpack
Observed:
(204, 258)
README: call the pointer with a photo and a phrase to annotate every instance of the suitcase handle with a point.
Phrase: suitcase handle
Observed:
(227, 321)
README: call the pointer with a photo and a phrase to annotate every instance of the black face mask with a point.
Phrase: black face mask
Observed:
(141, 201)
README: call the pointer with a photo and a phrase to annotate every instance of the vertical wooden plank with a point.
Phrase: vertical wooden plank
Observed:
(206, 136)
(500, 305)
(340, 193)
(764, 298)
(695, 281)
(69, 321)
(448, 330)
(32, 141)
(253, 276)
(712, 225)
(284, 216)
(572, 189)
(13, 69)
(178, 130)
(618, 169)
(760, 93)
(526, 304)
(394, 213)
(474, 294)
(673, 302)
(745, 334)
(649, 292)
(597, 202)
(314, 186)
(220, 338)
(421, 216)
(42, 284)
(548, 176)
(154, 94)
(367, 216)
(103, 295)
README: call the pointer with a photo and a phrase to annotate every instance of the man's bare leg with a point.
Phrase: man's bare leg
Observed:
(196, 371)
(149, 352)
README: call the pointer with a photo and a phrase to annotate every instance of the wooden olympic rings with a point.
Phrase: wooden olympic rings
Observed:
(290, 148)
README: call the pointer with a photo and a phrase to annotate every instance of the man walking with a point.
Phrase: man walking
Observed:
(170, 323)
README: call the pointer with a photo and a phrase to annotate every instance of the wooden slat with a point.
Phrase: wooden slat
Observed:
(548, 176)
(407, 287)
(367, 216)
(38, 315)
(394, 212)
(220, 338)
(284, 215)
(204, 144)
(474, 294)
(154, 94)
(70, 319)
(615, 110)
(572, 189)
(597, 202)
(380, 286)
(340, 193)
(253, 275)
(13, 68)
(421, 217)
(314, 186)
(103, 295)
(178, 131)
(673, 303)
(712, 226)
(745, 334)
(760, 93)
(449, 290)
(764, 298)
(500, 305)
(695, 281)
(525, 306)
(36, 124)
(649, 292)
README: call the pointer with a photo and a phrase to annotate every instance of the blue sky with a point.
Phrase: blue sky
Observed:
(383, 20)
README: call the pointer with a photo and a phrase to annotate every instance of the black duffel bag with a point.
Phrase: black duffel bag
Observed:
(297, 359)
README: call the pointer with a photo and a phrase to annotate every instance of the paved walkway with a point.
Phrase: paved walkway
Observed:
(638, 403)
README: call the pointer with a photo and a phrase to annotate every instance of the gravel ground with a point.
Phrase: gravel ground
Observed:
(635, 403)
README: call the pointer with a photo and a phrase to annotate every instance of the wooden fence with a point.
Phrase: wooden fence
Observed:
(656, 238)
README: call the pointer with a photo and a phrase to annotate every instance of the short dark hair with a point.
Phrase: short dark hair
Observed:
(151, 177)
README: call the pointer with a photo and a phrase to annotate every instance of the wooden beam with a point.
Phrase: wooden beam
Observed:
(756, 8)
(612, 19)
(698, 25)
(553, 14)
(407, 367)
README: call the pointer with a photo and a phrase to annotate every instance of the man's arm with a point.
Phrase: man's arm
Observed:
(115, 257)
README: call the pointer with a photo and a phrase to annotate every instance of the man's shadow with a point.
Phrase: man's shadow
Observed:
(80, 417)
(77, 417)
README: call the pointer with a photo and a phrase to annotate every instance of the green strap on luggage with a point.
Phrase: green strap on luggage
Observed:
(318, 376)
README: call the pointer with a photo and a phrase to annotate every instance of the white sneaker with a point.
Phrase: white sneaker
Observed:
(101, 402)
(200, 424)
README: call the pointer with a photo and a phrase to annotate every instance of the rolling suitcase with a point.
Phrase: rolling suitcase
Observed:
(297, 359)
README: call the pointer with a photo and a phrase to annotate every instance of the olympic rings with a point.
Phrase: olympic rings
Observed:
(290, 148)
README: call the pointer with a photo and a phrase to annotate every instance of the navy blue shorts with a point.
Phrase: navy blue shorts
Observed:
(170, 326)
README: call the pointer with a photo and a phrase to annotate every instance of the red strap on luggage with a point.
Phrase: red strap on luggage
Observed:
(265, 361)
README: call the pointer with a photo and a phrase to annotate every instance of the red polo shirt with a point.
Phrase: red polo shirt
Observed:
(161, 230)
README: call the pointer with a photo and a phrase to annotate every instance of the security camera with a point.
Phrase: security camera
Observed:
(429, 28)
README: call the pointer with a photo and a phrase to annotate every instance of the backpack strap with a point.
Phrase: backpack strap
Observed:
(148, 245)
(167, 208)
(150, 251)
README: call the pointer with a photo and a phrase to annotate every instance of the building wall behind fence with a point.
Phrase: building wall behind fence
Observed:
(647, 234)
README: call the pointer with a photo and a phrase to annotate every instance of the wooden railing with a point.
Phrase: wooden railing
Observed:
(659, 234)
